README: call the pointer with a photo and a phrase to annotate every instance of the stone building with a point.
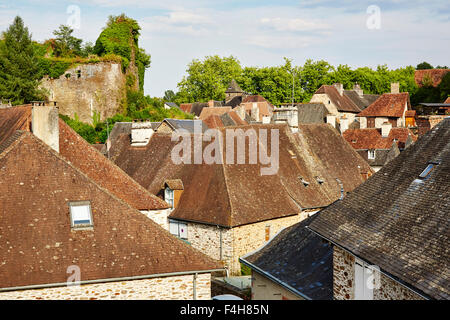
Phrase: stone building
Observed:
(71, 226)
(390, 236)
(226, 209)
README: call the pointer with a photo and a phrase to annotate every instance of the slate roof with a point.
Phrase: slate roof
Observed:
(370, 138)
(233, 87)
(312, 113)
(299, 258)
(197, 108)
(80, 153)
(391, 105)
(232, 195)
(172, 105)
(398, 221)
(361, 101)
(435, 75)
(37, 242)
(185, 124)
(234, 102)
(342, 103)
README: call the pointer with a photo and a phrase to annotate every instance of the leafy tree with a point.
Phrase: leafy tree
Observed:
(19, 70)
(87, 49)
(424, 65)
(444, 87)
(208, 79)
(169, 95)
(66, 45)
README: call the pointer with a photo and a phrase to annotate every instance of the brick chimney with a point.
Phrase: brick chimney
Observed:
(395, 87)
(141, 132)
(339, 87)
(44, 123)
(385, 129)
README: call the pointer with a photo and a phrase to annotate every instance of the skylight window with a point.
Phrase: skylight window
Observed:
(80, 214)
(430, 167)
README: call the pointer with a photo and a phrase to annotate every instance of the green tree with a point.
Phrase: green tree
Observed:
(66, 45)
(19, 70)
(424, 65)
(208, 79)
(169, 95)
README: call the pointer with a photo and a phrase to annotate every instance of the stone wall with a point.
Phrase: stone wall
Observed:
(167, 288)
(159, 216)
(344, 281)
(323, 98)
(265, 289)
(88, 88)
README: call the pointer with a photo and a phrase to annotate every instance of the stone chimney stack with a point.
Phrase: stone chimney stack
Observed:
(44, 123)
(358, 89)
(385, 129)
(395, 87)
(141, 132)
(339, 87)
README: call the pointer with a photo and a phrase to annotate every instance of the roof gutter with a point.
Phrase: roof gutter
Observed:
(368, 262)
(72, 284)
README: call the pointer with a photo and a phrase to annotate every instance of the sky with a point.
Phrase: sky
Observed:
(258, 33)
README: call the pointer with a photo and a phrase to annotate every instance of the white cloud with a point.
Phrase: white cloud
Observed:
(296, 24)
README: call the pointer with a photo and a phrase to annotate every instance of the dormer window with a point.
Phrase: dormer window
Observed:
(305, 183)
(371, 154)
(319, 180)
(80, 214)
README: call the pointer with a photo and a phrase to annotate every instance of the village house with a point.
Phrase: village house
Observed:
(342, 110)
(390, 236)
(379, 146)
(300, 113)
(296, 264)
(170, 105)
(389, 107)
(71, 226)
(228, 210)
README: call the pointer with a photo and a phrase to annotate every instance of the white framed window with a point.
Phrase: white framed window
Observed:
(80, 214)
(364, 276)
(168, 196)
(371, 154)
(178, 229)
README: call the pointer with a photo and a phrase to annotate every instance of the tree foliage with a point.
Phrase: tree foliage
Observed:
(19, 65)
(66, 45)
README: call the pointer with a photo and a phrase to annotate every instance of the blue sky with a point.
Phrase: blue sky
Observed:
(257, 32)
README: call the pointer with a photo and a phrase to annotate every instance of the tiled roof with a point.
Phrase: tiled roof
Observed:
(312, 113)
(370, 138)
(38, 244)
(233, 87)
(388, 105)
(206, 112)
(174, 184)
(213, 121)
(435, 75)
(399, 221)
(80, 153)
(299, 258)
(342, 103)
(361, 101)
(447, 100)
(185, 124)
(232, 195)
(186, 107)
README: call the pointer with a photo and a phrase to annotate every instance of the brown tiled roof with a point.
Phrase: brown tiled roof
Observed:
(435, 75)
(238, 121)
(447, 100)
(85, 157)
(388, 105)
(398, 221)
(370, 138)
(254, 98)
(233, 195)
(213, 121)
(38, 244)
(174, 184)
(186, 107)
(342, 103)
(265, 109)
(206, 112)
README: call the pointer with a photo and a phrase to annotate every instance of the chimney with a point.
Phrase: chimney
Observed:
(255, 112)
(395, 87)
(358, 89)
(344, 124)
(211, 103)
(44, 123)
(339, 87)
(141, 132)
(385, 129)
